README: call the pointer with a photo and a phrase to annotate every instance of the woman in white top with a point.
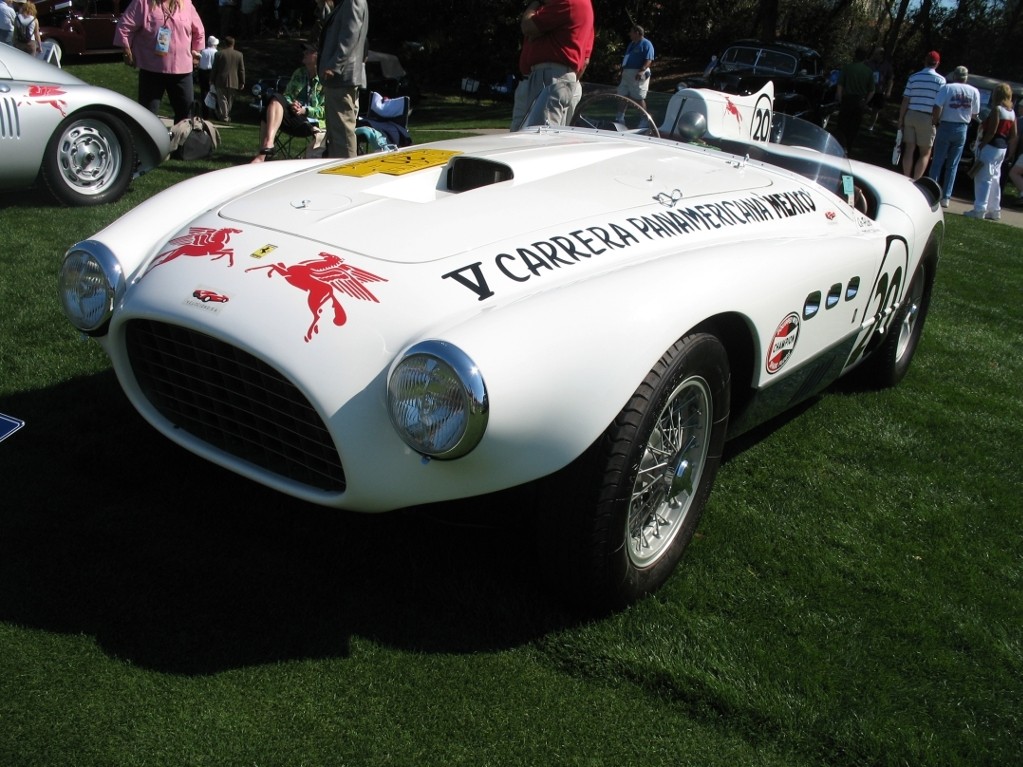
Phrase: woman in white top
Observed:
(26, 28)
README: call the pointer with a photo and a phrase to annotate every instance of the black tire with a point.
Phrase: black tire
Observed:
(89, 160)
(888, 364)
(652, 473)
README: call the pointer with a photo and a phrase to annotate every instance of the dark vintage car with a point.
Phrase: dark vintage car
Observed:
(79, 27)
(801, 83)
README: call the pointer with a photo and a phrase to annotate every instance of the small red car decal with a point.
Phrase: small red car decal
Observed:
(208, 295)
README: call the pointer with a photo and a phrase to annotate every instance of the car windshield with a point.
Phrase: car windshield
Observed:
(791, 143)
(760, 60)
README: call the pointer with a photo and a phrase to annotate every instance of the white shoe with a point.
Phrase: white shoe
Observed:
(944, 202)
(973, 213)
(994, 216)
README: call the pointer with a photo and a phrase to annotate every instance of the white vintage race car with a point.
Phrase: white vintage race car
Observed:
(599, 303)
(83, 142)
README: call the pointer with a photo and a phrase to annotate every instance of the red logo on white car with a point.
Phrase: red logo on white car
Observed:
(320, 278)
(783, 343)
(200, 241)
(209, 295)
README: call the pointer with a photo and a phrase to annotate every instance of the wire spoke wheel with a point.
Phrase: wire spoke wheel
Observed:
(669, 472)
(912, 314)
(652, 470)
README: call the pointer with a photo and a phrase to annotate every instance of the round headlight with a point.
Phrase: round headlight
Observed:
(89, 282)
(437, 400)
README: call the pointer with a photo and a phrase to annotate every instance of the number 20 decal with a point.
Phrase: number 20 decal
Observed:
(761, 128)
(884, 297)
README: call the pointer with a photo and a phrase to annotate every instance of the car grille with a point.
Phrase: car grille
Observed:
(233, 401)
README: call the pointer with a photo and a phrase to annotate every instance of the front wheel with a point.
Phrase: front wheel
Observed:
(653, 471)
(89, 160)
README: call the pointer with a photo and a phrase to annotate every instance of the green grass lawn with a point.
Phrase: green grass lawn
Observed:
(854, 595)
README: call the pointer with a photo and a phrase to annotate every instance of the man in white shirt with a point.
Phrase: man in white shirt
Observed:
(954, 107)
(915, 116)
(7, 14)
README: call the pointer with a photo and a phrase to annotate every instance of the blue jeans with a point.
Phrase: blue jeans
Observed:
(948, 149)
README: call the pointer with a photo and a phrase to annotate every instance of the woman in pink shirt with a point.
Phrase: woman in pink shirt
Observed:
(163, 39)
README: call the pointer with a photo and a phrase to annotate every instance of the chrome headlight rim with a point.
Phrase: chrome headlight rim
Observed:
(103, 263)
(468, 385)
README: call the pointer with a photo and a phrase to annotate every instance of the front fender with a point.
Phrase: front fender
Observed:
(139, 235)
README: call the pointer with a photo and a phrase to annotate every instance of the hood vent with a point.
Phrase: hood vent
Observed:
(465, 173)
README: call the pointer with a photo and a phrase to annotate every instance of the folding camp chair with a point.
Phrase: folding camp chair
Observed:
(389, 117)
(293, 146)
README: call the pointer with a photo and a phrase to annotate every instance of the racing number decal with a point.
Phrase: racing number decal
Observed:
(761, 128)
(883, 298)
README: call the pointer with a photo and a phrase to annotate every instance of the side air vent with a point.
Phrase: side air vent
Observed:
(10, 121)
(465, 173)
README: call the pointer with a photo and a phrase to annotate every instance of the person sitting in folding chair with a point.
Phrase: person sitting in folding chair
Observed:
(296, 113)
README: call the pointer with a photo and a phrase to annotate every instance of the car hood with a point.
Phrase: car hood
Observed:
(416, 206)
(18, 65)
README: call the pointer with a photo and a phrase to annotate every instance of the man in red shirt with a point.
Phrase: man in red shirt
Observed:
(556, 47)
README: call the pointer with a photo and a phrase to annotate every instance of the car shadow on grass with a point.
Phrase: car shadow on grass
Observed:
(173, 564)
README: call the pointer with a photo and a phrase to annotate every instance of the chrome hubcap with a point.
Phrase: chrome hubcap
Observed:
(89, 156)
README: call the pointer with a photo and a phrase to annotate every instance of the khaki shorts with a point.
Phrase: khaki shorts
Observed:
(918, 129)
(633, 88)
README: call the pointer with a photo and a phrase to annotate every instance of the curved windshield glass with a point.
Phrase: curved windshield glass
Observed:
(743, 126)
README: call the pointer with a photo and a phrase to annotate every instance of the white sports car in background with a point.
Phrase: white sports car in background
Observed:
(599, 303)
(83, 142)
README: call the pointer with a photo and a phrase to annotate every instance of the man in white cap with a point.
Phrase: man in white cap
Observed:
(205, 68)
(955, 106)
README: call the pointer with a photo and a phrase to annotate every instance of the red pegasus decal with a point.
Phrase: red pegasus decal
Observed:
(732, 109)
(200, 241)
(320, 278)
(47, 94)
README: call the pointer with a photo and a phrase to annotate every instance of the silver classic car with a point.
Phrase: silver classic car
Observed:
(83, 142)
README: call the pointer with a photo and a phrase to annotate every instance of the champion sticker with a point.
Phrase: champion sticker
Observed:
(783, 343)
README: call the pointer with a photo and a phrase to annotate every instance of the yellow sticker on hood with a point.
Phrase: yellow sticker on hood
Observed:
(394, 163)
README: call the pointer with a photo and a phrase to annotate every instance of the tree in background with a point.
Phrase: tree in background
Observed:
(481, 37)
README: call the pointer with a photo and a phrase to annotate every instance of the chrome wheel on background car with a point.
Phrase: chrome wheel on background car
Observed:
(89, 160)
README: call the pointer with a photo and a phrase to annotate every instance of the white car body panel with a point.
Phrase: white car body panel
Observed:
(564, 284)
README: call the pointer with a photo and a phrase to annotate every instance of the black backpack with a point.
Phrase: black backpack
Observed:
(22, 32)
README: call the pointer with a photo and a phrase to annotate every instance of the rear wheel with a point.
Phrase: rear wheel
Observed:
(89, 160)
(890, 362)
(652, 472)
